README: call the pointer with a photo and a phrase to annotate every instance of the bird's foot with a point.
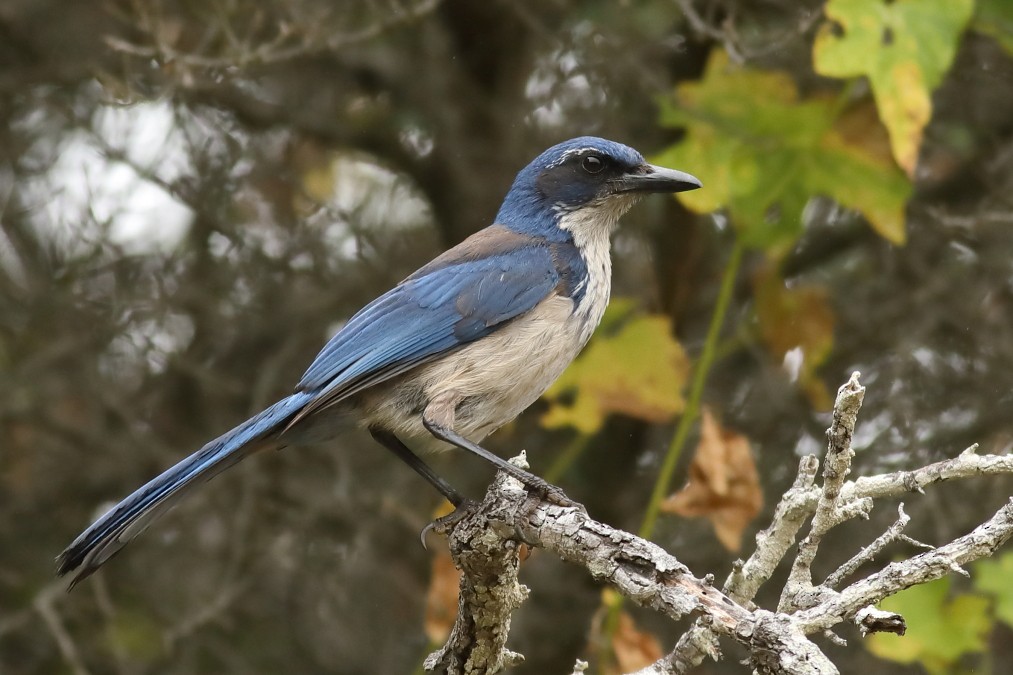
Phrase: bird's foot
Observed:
(546, 491)
(444, 524)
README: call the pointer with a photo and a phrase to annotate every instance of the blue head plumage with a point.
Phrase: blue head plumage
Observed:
(579, 173)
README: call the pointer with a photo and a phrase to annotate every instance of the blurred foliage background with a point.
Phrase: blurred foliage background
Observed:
(194, 195)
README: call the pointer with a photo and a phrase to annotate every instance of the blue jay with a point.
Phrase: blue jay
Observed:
(453, 352)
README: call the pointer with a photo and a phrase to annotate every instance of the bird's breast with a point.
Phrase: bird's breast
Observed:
(592, 293)
(495, 378)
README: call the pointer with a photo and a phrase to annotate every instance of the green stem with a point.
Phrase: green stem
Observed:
(566, 459)
(689, 415)
(844, 97)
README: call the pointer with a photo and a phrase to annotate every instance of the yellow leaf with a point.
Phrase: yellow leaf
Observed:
(859, 175)
(723, 484)
(904, 48)
(763, 152)
(638, 370)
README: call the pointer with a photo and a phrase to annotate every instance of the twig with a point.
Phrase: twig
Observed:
(699, 643)
(745, 579)
(207, 613)
(868, 554)
(637, 568)
(43, 604)
(722, 35)
(929, 566)
(641, 571)
(773, 543)
(799, 591)
(966, 465)
(272, 51)
(729, 38)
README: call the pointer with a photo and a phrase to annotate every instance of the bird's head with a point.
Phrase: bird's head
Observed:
(583, 186)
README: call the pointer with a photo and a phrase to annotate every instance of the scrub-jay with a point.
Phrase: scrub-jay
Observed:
(453, 352)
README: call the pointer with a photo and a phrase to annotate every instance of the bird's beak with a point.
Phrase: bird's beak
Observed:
(651, 178)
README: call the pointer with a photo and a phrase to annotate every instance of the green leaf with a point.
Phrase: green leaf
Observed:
(995, 577)
(995, 19)
(904, 47)
(940, 630)
(762, 154)
(633, 366)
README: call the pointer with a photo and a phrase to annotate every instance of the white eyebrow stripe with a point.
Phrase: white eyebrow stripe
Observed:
(570, 153)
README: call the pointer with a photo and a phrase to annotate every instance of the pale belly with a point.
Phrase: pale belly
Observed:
(491, 381)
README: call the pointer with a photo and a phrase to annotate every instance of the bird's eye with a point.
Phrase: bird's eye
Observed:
(592, 164)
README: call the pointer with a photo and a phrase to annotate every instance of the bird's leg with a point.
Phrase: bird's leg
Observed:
(538, 486)
(462, 505)
(394, 444)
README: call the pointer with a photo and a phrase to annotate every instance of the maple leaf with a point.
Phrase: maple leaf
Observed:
(763, 151)
(904, 48)
(723, 484)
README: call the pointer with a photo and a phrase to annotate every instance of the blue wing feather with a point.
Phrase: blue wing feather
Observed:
(465, 297)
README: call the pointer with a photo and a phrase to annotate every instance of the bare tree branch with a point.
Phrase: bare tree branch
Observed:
(799, 591)
(637, 568)
(929, 566)
(746, 578)
(868, 554)
(484, 543)
(45, 605)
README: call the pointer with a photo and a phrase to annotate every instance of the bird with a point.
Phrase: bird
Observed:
(454, 351)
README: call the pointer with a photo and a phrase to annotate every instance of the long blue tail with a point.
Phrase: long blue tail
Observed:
(130, 517)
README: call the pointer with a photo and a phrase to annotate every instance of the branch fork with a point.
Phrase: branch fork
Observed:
(484, 543)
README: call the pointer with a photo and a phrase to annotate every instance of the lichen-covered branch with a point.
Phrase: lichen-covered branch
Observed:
(484, 541)
(929, 566)
(870, 552)
(800, 591)
(489, 592)
(638, 569)
(745, 579)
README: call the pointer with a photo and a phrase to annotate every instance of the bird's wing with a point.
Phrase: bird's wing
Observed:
(465, 294)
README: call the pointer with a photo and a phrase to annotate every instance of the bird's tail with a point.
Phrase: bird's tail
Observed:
(126, 520)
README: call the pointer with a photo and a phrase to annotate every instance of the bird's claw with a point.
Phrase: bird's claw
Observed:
(444, 524)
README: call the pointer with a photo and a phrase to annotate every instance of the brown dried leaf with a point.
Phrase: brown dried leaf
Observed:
(723, 484)
(802, 319)
(441, 598)
(634, 649)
